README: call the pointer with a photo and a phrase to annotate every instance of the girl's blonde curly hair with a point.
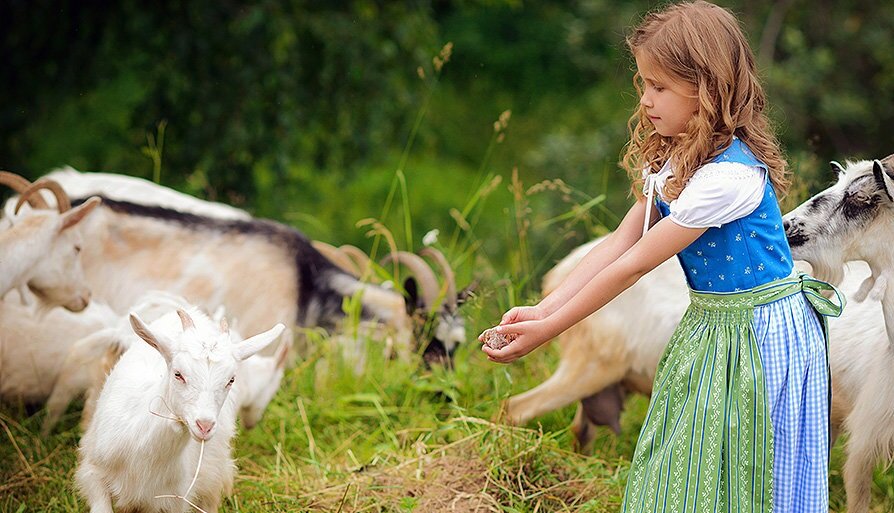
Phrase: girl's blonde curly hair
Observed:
(700, 45)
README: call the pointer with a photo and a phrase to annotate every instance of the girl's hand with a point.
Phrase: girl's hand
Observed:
(519, 314)
(522, 313)
(531, 335)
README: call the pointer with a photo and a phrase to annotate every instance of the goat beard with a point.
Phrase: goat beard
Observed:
(825, 267)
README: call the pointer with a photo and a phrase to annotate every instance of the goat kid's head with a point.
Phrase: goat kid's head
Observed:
(202, 361)
(847, 221)
(57, 278)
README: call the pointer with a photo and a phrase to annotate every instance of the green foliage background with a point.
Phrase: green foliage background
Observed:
(301, 111)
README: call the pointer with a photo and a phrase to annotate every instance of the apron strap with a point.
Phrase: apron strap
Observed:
(825, 307)
(649, 185)
(809, 286)
(813, 289)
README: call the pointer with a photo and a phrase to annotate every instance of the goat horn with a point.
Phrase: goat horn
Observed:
(449, 275)
(13, 181)
(335, 256)
(20, 184)
(185, 320)
(360, 259)
(425, 277)
(63, 204)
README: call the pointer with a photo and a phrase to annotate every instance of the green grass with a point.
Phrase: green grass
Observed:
(396, 437)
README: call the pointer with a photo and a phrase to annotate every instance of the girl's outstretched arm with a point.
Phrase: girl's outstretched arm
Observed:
(606, 252)
(663, 241)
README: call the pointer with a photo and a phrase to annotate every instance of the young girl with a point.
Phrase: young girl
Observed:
(738, 420)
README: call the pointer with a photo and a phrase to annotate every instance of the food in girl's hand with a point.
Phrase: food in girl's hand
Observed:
(496, 340)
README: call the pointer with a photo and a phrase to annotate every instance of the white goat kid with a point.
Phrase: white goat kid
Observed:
(854, 220)
(159, 400)
(259, 378)
(39, 250)
(89, 360)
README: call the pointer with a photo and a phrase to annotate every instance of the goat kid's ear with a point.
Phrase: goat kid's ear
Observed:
(161, 343)
(248, 347)
(883, 179)
(76, 215)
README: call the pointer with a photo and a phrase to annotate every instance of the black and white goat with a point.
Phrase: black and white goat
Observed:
(854, 220)
(215, 260)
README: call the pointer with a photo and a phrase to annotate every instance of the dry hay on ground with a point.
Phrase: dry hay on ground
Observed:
(481, 473)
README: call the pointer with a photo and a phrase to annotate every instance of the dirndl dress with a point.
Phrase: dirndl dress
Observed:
(726, 379)
(738, 421)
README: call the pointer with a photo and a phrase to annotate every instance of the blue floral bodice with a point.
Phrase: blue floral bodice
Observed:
(741, 254)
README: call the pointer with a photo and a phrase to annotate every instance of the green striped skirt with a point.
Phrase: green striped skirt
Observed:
(707, 441)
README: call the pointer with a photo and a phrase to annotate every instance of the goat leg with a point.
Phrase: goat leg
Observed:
(572, 381)
(600, 409)
(90, 482)
(878, 291)
(858, 471)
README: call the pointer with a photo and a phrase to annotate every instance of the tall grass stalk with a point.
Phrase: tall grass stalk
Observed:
(154, 149)
(484, 185)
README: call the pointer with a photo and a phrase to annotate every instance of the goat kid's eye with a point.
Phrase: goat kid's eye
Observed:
(230, 383)
(179, 377)
(77, 249)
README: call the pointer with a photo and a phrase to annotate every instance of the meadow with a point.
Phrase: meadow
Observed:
(397, 437)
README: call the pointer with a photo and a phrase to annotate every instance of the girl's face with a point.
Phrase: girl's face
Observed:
(668, 104)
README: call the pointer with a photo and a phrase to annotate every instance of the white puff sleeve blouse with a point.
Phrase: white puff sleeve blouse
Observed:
(718, 193)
